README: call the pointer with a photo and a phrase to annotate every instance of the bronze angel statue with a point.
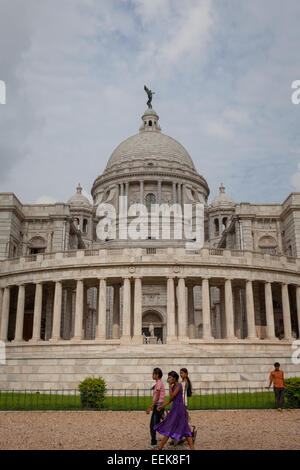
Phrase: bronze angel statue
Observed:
(149, 93)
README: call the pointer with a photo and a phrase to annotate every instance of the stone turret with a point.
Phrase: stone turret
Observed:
(220, 212)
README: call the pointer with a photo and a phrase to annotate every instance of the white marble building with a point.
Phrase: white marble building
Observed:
(72, 305)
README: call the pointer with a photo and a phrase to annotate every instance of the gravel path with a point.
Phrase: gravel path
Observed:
(245, 429)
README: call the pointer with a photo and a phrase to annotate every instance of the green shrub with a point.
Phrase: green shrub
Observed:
(92, 392)
(292, 393)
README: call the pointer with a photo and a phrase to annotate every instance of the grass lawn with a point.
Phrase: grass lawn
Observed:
(130, 400)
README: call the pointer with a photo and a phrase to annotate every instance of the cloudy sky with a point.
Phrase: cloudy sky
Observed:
(222, 72)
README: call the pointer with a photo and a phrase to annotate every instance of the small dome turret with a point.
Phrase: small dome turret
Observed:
(222, 199)
(79, 200)
(150, 121)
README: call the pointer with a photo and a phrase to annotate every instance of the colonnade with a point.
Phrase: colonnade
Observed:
(180, 311)
(177, 189)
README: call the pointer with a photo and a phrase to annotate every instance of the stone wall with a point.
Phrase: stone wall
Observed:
(218, 366)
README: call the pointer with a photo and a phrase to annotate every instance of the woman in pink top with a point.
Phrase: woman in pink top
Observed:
(158, 399)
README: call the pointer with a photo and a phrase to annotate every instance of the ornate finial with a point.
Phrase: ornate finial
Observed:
(222, 188)
(79, 189)
(150, 94)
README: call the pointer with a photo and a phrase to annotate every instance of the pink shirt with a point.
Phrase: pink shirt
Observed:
(159, 386)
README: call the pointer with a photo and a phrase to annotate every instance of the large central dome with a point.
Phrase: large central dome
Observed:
(150, 162)
(147, 145)
(150, 143)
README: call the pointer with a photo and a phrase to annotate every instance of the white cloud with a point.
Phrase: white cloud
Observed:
(217, 129)
(75, 73)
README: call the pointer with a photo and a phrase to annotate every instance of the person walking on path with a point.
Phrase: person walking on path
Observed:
(186, 392)
(158, 399)
(175, 425)
(186, 387)
(277, 378)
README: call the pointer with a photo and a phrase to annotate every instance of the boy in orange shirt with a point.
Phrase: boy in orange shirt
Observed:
(277, 378)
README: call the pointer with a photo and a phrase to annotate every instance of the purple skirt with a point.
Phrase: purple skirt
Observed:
(175, 425)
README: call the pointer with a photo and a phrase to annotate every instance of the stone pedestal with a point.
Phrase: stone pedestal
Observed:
(151, 340)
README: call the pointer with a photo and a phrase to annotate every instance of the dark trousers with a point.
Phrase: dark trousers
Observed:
(156, 418)
(279, 395)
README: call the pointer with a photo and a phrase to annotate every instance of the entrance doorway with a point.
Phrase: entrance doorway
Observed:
(155, 318)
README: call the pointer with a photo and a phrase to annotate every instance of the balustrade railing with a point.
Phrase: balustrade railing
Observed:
(150, 250)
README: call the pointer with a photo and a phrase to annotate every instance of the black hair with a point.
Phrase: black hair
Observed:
(189, 387)
(276, 364)
(174, 375)
(158, 372)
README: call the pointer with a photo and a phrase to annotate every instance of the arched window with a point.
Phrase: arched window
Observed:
(85, 226)
(37, 245)
(150, 123)
(217, 228)
(224, 223)
(267, 244)
(150, 199)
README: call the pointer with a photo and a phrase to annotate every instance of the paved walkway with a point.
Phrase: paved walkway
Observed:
(245, 429)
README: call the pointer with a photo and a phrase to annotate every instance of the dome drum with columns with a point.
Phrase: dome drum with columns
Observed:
(90, 305)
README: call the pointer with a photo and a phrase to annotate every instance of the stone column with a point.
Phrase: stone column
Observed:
(191, 311)
(229, 310)
(206, 317)
(251, 331)
(269, 311)
(182, 313)
(57, 312)
(159, 191)
(238, 312)
(171, 331)
(116, 313)
(142, 192)
(37, 313)
(68, 316)
(137, 327)
(222, 312)
(298, 307)
(1, 299)
(218, 320)
(179, 193)
(127, 193)
(174, 193)
(126, 336)
(286, 312)
(49, 311)
(5, 314)
(85, 313)
(20, 314)
(101, 328)
(78, 311)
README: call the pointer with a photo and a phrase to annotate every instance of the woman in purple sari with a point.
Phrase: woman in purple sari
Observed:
(175, 425)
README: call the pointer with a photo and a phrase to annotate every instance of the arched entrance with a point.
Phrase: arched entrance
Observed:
(154, 317)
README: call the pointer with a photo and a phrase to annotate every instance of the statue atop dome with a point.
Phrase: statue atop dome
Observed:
(150, 94)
